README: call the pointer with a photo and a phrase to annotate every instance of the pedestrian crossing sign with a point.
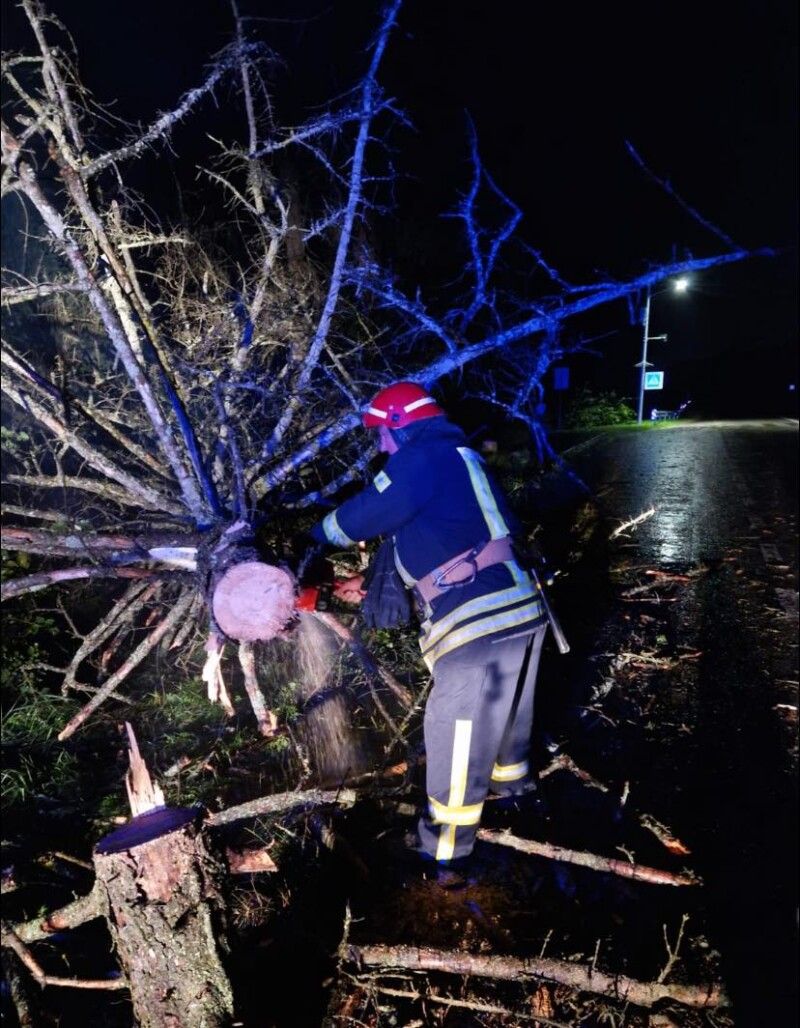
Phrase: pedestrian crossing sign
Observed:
(654, 380)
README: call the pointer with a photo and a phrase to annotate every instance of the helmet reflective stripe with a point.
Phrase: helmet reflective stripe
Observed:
(417, 403)
(399, 404)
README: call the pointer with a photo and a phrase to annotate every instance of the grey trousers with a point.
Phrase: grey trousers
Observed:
(478, 721)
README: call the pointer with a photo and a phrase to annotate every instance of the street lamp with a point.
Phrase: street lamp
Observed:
(680, 285)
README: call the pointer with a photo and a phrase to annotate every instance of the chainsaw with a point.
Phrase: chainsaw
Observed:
(314, 597)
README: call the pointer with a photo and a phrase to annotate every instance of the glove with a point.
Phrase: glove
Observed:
(386, 604)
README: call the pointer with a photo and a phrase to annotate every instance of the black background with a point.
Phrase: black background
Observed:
(706, 92)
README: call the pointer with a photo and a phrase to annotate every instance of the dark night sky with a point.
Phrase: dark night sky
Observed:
(707, 92)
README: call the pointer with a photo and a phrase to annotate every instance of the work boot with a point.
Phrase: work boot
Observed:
(452, 875)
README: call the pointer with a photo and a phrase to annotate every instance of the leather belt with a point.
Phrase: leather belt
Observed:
(463, 568)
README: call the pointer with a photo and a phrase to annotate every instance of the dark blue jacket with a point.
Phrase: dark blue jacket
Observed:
(436, 498)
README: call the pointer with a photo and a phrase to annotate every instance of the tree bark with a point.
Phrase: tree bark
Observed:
(167, 922)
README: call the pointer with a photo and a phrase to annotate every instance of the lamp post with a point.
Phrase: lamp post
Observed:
(680, 285)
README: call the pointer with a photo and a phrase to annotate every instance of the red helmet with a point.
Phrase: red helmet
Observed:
(398, 405)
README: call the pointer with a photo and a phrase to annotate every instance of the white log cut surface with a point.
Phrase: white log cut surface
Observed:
(253, 601)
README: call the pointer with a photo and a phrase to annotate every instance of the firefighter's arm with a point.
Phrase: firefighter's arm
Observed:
(395, 496)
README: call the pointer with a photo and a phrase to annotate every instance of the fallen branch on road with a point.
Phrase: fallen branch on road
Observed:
(632, 523)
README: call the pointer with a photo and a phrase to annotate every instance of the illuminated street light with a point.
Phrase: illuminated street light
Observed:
(680, 285)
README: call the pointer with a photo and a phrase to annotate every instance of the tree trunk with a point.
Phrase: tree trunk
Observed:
(166, 917)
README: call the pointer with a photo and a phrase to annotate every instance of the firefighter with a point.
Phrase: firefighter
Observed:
(482, 622)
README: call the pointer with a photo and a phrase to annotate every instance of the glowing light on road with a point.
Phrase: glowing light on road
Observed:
(681, 285)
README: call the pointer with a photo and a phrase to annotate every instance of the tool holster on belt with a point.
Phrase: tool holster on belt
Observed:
(462, 569)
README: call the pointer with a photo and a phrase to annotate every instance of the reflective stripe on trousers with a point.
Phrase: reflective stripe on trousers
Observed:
(476, 737)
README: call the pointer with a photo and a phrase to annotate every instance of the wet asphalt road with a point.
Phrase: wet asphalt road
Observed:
(725, 502)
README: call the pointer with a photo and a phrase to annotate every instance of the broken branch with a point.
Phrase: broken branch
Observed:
(639, 872)
(280, 802)
(576, 976)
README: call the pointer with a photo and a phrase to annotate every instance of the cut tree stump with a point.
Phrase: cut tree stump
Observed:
(166, 918)
(159, 889)
(165, 909)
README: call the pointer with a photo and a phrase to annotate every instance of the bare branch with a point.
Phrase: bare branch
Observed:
(80, 911)
(576, 976)
(138, 491)
(138, 655)
(12, 295)
(367, 104)
(116, 333)
(33, 583)
(163, 125)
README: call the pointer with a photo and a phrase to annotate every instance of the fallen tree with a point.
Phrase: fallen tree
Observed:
(208, 392)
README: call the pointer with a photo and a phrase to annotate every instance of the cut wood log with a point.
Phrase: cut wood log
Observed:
(166, 909)
(577, 976)
(160, 890)
(253, 601)
(167, 922)
(639, 872)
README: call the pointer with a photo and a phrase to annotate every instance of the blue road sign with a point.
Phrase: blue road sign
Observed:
(654, 380)
(560, 378)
